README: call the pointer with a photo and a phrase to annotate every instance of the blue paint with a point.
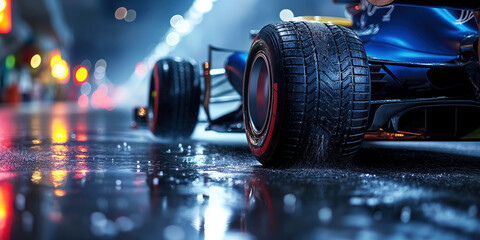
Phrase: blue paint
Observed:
(411, 34)
(234, 68)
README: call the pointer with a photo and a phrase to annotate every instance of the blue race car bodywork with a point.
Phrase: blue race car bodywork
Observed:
(396, 33)
(443, 40)
(412, 34)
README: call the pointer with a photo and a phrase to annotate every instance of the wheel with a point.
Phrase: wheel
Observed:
(306, 94)
(174, 98)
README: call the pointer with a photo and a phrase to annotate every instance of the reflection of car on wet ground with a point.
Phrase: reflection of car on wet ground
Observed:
(314, 88)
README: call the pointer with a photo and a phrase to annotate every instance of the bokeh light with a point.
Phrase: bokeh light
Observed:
(55, 60)
(59, 132)
(10, 61)
(175, 20)
(59, 192)
(141, 69)
(101, 63)
(83, 101)
(100, 98)
(61, 71)
(81, 74)
(131, 15)
(6, 209)
(173, 39)
(203, 6)
(142, 111)
(99, 73)
(3, 4)
(100, 68)
(86, 63)
(35, 61)
(286, 15)
(86, 88)
(120, 13)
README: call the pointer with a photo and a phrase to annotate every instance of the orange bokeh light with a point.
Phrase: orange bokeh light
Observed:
(5, 16)
(59, 192)
(142, 111)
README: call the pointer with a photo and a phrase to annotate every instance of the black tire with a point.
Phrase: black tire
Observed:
(174, 98)
(319, 102)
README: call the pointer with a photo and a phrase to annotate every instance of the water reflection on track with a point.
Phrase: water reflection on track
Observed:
(68, 174)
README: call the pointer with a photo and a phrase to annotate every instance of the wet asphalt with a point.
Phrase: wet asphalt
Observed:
(67, 173)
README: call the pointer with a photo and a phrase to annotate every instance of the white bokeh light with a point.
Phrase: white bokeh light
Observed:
(286, 15)
(203, 6)
(173, 39)
(175, 20)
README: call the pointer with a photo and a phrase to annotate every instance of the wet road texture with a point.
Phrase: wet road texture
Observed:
(67, 173)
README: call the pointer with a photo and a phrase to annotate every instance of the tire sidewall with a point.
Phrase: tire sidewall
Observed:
(263, 144)
(153, 103)
(173, 112)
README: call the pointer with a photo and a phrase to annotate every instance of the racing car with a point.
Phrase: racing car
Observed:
(314, 88)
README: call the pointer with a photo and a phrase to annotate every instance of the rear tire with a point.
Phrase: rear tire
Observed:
(315, 111)
(174, 98)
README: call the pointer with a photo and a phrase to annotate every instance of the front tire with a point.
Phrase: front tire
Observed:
(174, 98)
(306, 94)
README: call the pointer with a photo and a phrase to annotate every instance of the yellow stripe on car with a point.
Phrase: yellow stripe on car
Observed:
(333, 20)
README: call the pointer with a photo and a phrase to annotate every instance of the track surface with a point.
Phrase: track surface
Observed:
(67, 173)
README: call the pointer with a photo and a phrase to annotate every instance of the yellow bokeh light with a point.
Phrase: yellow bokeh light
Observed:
(81, 74)
(59, 192)
(60, 136)
(35, 61)
(55, 60)
(59, 132)
(60, 70)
